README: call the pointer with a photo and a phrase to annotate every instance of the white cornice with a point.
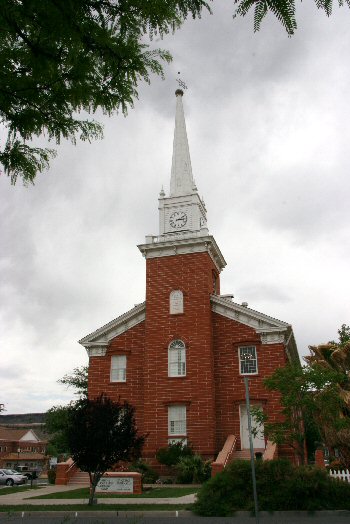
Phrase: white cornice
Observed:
(271, 330)
(96, 343)
(259, 321)
(182, 244)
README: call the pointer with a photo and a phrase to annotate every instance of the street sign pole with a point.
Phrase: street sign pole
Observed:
(252, 461)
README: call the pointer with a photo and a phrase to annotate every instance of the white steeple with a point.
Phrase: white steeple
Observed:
(182, 212)
(181, 182)
(182, 215)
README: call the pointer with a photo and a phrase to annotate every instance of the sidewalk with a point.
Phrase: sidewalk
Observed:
(24, 497)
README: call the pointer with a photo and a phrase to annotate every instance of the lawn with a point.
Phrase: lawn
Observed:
(161, 492)
(16, 489)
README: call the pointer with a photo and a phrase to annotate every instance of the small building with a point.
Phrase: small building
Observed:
(21, 448)
(181, 356)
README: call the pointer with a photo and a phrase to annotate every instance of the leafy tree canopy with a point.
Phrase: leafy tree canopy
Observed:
(309, 397)
(56, 418)
(78, 380)
(101, 433)
(334, 357)
(284, 10)
(62, 60)
(315, 398)
(55, 423)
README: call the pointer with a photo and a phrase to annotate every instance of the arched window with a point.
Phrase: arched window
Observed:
(177, 359)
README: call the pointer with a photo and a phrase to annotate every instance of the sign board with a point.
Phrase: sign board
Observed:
(115, 485)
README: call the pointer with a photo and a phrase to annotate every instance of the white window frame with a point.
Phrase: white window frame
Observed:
(177, 358)
(118, 368)
(250, 360)
(177, 424)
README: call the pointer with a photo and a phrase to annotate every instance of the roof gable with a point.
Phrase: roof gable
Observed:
(96, 343)
(271, 330)
(18, 435)
(30, 436)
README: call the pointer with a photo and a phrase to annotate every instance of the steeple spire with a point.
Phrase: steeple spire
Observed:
(181, 182)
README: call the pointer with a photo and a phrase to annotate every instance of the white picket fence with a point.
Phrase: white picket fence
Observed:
(343, 475)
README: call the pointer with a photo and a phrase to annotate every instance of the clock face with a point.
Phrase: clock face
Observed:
(178, 219)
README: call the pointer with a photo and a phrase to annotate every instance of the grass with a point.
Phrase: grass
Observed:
(97, 507)
(16, 489)
(83, 493)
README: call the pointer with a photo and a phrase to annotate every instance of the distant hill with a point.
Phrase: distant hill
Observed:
(35, 421)
(24, 418)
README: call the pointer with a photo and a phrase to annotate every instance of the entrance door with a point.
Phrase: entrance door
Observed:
(258, 440)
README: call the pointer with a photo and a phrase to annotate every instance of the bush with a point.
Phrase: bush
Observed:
(171, 455)
(51, 476)
(149, 475)
(280, 485)
(193, 469)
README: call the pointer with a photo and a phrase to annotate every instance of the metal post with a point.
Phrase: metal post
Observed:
(246, 383)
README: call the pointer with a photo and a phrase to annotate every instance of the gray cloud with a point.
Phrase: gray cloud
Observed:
(268, 122)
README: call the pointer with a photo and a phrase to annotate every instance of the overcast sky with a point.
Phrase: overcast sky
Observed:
(268, 123)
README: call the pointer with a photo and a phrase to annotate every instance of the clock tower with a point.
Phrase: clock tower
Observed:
(183, 264)
(183, 211)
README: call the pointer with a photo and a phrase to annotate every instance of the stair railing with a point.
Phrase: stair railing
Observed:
(225, 455)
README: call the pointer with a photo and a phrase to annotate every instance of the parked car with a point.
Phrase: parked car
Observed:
(10, 477)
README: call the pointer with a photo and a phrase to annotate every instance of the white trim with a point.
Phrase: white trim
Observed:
(272, 338)
(96, 343)
(183, 244)
(179, 351)
(118, 368)
(96, 351)
(177, 420)
(259, 321)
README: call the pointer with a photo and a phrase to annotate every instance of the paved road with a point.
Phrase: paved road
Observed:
(184, 517)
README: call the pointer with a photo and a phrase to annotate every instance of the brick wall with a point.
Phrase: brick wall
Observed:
(131, 343)
(212, 389)
(193, 275)
(228, 335)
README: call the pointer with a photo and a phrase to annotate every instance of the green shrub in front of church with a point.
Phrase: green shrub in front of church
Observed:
(192, 469)
(171, 455)
(280, 486)
(149, 475)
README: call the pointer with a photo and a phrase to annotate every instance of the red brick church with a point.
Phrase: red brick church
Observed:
(180, 357)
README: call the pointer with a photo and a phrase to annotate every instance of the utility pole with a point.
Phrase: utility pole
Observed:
(252, 458)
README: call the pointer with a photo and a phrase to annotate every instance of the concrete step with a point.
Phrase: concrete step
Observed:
(244, 454)
(81, 478)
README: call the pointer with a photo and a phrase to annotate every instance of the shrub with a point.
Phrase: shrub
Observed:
(280, 486)
(149, 475)
(193, 469)
(51, 476)
(171, 455)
